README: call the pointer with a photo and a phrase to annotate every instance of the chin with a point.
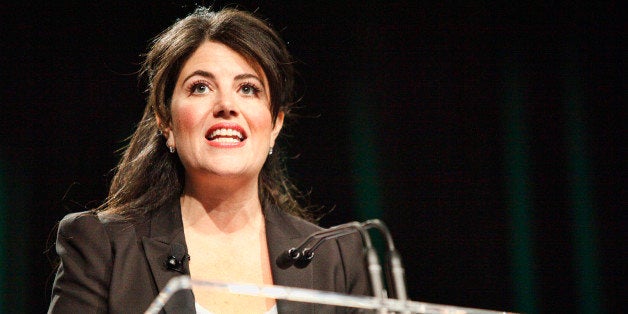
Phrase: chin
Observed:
(228, 171)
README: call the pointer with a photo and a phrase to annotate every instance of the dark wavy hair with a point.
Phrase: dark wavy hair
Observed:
(148, 176)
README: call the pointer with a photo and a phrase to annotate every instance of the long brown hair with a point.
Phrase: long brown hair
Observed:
(148, 176)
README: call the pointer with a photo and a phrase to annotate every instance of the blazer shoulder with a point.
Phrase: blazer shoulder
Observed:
(79, 222)
(93, 223)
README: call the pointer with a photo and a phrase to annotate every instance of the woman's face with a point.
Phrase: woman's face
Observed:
(221, 120)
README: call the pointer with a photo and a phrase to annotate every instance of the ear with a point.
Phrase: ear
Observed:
(166, 131)
(276, 128)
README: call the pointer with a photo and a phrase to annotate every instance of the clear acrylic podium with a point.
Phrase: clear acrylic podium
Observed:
(377, 305)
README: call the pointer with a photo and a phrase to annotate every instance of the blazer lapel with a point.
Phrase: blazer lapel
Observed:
(165, 230)
(282, 235)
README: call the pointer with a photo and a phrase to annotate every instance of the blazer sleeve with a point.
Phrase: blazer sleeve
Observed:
(82, 280)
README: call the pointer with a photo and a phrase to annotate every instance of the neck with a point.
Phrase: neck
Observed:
(221, 206)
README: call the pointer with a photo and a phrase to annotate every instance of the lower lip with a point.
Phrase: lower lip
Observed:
(225, 144)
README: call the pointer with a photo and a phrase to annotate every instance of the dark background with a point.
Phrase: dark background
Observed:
(426, 115)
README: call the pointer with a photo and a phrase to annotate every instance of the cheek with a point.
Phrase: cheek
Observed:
(185, 118)
(262, 121)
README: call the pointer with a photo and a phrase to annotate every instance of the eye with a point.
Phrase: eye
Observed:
(249, 89)
(199, 88)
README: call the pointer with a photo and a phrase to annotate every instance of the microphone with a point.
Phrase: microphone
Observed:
(176, 259)
(302, 255)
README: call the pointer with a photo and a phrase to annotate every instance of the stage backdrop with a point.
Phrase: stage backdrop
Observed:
(489, 138)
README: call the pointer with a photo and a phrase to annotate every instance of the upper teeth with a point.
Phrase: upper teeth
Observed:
(226, 132)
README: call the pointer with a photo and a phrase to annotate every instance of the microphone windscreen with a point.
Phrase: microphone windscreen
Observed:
(304, 259)
(285, 259)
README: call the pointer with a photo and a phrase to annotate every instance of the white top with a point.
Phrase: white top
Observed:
(201, 310)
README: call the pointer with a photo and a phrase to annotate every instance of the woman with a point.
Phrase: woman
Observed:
(200, 190)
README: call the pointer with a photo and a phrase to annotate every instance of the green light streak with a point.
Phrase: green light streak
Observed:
(585, 234)
(519, 198)
(15, 240)
(3, 240)
(367, 195)
(365, 166)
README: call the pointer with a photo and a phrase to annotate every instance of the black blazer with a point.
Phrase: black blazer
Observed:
(110, 265)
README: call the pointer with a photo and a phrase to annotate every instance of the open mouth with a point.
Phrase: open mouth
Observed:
(225, 134)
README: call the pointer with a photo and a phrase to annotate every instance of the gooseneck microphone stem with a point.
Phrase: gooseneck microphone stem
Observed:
(331, 233)
(301, 256)
(395, 271)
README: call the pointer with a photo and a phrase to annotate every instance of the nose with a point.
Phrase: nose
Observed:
(224, 106)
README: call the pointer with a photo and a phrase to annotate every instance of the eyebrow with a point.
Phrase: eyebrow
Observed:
(202, 73)
(248, 76)
(210, 75)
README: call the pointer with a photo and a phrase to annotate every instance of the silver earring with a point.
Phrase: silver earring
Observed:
(159, 133)
(270, 152)
(171, 149)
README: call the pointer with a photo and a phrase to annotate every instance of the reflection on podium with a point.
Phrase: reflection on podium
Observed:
(363, 304)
